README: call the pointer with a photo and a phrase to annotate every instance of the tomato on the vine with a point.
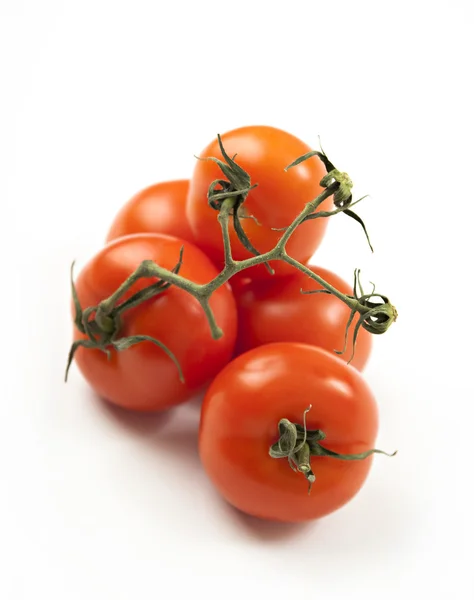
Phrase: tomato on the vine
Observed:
(263, 152)
(240, 420)
(158, 208)
(143, 377)
(275, 310)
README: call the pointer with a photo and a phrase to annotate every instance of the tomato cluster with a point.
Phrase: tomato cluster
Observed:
(276, 394)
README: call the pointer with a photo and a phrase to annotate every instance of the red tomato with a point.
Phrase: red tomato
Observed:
(159, 208)
(276, 311)
(263, 152)
(239, 423)
(143, 377)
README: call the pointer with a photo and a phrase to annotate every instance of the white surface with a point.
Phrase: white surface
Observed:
(101, 98)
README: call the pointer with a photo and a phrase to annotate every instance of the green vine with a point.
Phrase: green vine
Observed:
(102, 323)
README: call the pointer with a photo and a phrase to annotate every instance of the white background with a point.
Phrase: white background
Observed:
(99, 99)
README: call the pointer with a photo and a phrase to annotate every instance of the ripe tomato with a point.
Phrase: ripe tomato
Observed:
(263, 152)
(239, 422)
(275, 311)
(143, 377)
(159, 208)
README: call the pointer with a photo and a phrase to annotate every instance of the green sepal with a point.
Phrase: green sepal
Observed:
(127, 342)
(327, 163)
(318, 450)
(74, 347)
(77, 304)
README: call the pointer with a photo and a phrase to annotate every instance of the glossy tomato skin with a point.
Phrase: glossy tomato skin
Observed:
(275, 311)
(159, 208)
(143, 377)
(263, 152)
(240, 414)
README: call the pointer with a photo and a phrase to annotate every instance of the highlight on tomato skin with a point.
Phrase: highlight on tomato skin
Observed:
(158, 208)
(239, 423)
(275, 310)
(263, 152)
(143, 377)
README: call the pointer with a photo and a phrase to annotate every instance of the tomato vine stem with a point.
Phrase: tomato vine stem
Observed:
(101, 323)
